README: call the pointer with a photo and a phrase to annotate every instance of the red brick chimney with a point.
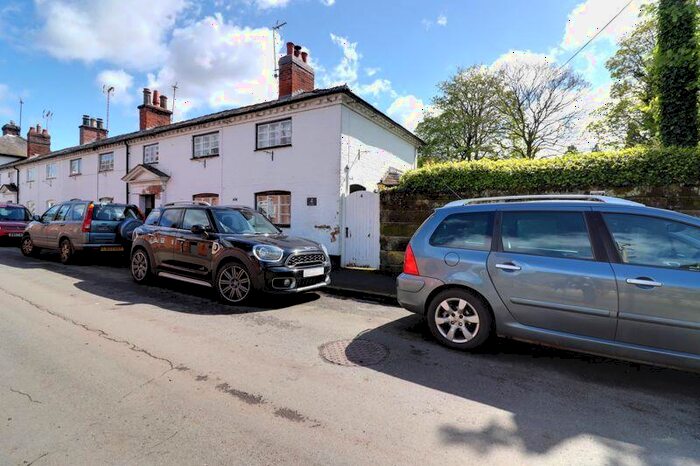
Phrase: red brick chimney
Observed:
(38, 141)
(92, 130)
(10, 128)
(154, 112)
(295, 74)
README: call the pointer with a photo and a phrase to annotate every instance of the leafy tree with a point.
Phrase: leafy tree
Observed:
(539, 102)
(676, 63)
(466, 123)
(630, 117)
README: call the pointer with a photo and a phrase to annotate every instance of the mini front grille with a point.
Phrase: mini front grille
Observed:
(306, 259)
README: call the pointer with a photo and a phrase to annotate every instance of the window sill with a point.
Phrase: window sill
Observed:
(263, 149)
(205, 157)
(106, 171)
(74, 175)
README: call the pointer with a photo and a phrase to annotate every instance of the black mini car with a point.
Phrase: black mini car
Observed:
(235, 250)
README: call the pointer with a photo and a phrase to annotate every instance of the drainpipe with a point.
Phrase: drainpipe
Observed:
(126, 144)
(17, 178)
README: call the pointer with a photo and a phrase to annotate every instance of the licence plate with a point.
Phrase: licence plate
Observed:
(14, 235)
(314, 272)
(112, 248)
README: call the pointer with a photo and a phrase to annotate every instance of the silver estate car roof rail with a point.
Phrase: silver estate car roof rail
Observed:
(544, 197)
(201, 203)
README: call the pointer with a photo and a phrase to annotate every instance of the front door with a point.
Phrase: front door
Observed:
(547, 274)
(361, 236)
(193, 251)
(658, 276)
(147, 203)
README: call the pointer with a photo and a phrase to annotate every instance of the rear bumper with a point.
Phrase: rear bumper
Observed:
(286, 280)
(8, 236)
(412, 291)
(114, 247)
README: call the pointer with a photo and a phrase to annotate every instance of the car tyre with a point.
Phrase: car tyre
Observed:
(459, 319)
(66, 252)
(140, 267)
(27, 247)
(233, 284)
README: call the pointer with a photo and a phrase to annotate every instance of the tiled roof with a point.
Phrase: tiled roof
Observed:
(220, 116)
(14, 146)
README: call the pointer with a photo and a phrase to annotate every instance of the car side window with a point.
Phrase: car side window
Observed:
(50, 214)
(76, 213)
(171, 218)
(550, 234)
(464, 231)
(62, 211)
(153, 217)
(195, 217)
(655, 242)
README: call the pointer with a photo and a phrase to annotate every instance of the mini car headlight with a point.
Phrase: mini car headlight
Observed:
(268, 253)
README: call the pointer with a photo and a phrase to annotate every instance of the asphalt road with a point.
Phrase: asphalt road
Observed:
(95, 369)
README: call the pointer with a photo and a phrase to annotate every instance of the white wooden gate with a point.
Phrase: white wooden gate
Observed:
(361, 235)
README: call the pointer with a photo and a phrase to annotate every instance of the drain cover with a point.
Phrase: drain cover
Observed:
(355, 352)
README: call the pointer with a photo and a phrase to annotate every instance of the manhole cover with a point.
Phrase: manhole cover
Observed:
(355, 352)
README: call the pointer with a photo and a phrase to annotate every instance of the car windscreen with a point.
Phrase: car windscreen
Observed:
(14, 214)
(243, 222)
(113, 212)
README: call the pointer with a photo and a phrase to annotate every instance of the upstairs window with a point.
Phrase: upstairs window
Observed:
(75, 165)
(150, 154)
(277, 205)
(274, 134)
(205, 145)
(209, 198)
(51, 171)
(107, 162)
(31, 174)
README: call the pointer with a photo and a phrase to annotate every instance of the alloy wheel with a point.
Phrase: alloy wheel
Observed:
(66, 251)
(457, 320)
(234, 283)
(27, 246)
(139, 266)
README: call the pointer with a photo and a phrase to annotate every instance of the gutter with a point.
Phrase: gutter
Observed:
(17, 170)
(126, 144)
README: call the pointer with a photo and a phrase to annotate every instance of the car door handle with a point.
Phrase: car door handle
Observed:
(644, 282)
(509, 267)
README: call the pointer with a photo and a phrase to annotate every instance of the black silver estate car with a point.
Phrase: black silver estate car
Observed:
(235, 250)
(590, 273)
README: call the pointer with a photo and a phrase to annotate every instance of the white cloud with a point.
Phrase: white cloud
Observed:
(441, 20)
(218, 64)
(372, 71)
(328, 2)
(407, 110)
(346, 70)
(122, 83)
(267, 4)
(127, 33)
(521, 56)
(376, 88)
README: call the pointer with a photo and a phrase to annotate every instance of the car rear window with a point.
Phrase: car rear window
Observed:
(464, 231)
(14, 214)
(551, 234)
(113, 212)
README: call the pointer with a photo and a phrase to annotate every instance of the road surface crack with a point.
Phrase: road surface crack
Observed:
(99, 332)
(25, 394)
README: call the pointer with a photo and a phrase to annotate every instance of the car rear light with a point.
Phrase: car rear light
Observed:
(410, 267)
(87, 221)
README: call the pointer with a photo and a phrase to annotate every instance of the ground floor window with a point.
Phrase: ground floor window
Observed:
(277, 205)
(209, 198)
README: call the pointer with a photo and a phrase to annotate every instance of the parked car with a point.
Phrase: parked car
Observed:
(235, 250)
(590, 273)
(80, 226)
(13, 220)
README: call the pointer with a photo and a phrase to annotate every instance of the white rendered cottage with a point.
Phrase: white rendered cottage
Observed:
(298, 157)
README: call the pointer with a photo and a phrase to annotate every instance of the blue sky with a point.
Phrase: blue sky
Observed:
(57, 54)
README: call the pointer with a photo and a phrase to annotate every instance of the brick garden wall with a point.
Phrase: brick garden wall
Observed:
(402, 213)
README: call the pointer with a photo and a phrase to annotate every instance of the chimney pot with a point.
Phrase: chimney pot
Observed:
(146, 96)
(297, 50)
(290, 48)
(156, 97)
(32, 130)
(93, 122)
(304, 56)
(99, 123)
(86, 120)
(45, 132)
(38, 128)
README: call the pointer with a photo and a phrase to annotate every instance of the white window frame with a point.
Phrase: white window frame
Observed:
(272, 202)
(148, 156)
(205, 145)
(31, 174)
(51, 171)
(79, 163)
(105, 166)
(273, 134)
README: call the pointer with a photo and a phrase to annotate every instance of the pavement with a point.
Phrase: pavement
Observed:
(98, 370)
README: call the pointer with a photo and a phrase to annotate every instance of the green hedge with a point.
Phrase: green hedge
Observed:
(576, 172)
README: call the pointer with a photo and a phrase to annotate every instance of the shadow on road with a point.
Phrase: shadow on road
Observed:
(555, 396)
(108, 276)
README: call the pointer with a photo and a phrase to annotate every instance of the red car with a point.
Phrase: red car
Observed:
(13, 219)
